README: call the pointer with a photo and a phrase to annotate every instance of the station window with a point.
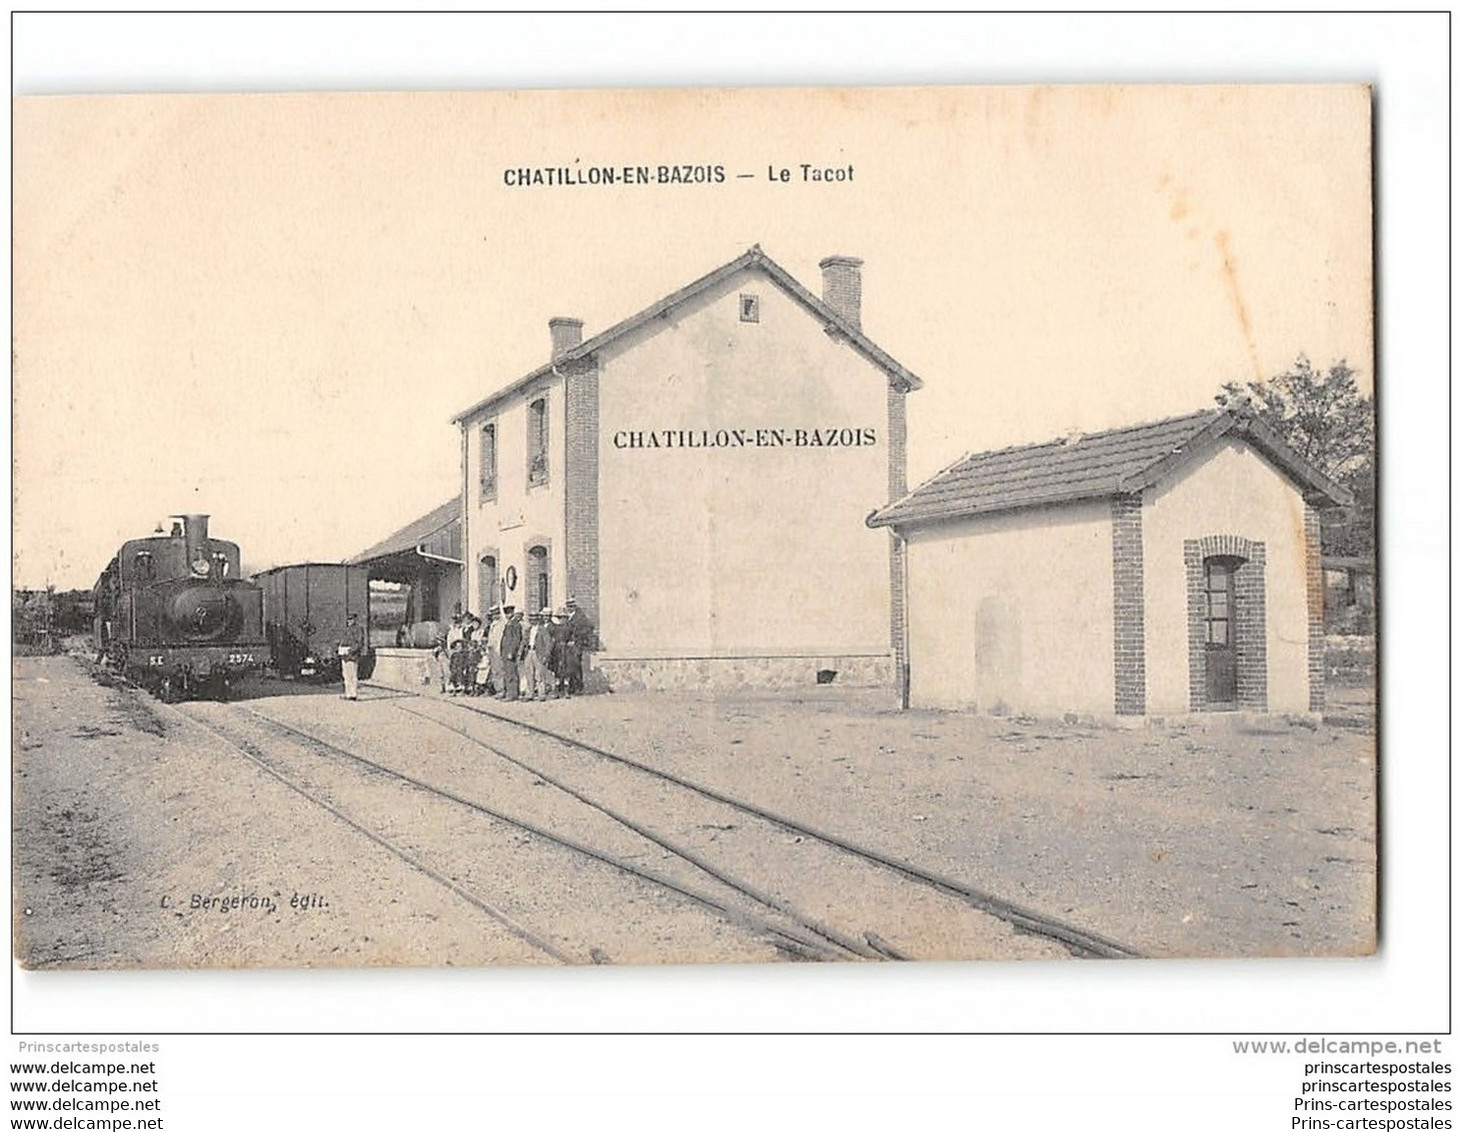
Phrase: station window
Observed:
(538, 441)
(538, 595)
(489, 582)
(489, 462)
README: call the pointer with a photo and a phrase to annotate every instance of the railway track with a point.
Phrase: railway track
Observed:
(1076, 940)
(257, 755)
(803, 892)
(378, 794)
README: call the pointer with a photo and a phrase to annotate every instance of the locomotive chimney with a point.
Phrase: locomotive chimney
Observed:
(195, 535)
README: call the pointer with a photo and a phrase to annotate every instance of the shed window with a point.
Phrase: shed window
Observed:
(750, 308)
(538, 441)
(1218, 590)
(488, 462)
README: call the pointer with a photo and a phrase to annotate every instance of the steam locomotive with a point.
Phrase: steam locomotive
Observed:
(175, 615)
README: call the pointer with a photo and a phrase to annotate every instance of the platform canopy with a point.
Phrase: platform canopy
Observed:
(435, 537)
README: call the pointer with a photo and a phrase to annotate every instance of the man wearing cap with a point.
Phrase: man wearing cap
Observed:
(511, 650)
(352, 647)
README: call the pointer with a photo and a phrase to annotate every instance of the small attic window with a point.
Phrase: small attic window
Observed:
(750, 308)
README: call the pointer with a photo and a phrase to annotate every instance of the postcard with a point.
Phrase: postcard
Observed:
(694, 526)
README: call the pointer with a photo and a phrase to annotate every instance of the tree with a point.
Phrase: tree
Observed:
(1328, 421)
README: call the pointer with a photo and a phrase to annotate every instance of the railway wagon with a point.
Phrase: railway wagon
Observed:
(174, 615)
(305, 610)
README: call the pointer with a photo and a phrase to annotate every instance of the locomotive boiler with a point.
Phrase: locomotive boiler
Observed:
(174, 613)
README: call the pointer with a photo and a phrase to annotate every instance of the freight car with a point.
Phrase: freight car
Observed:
(174, 614)
(305, 607)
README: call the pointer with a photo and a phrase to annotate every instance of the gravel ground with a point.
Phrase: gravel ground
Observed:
(1197, 838)
(123, 816)
(1223, 836)
(826, 885)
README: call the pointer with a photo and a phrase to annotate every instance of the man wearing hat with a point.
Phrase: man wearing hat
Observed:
(540, 654)
(511, 650)
(494, 642)
(559, 661)
(581, 634)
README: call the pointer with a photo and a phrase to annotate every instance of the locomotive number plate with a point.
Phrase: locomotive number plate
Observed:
(240, 658)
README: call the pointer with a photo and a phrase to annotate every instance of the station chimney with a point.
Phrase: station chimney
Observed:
(566, 334)
(842, 287)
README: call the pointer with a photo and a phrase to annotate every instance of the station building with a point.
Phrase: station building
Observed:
(697, 477)
(1162, 568)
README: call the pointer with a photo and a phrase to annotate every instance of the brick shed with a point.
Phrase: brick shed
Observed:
(1161, 568)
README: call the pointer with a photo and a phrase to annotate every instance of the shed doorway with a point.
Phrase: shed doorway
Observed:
(1220, 651)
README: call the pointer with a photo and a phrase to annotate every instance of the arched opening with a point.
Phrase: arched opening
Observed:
(1227, 642)
(489, 585)
(536, 590)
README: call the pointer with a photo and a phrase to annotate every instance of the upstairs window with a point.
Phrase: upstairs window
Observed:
(538, 442)
(488, 471)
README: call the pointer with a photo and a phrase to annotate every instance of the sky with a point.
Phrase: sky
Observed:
(268, 307)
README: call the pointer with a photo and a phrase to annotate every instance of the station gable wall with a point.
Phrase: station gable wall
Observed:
(730, 548)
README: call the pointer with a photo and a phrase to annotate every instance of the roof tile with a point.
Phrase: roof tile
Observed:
(1057, 471)
(415, 533)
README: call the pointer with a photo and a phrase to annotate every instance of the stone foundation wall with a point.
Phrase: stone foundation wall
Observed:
(403, 668)
(687, 674)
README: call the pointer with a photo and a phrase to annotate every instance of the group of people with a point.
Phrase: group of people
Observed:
(545, 658)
